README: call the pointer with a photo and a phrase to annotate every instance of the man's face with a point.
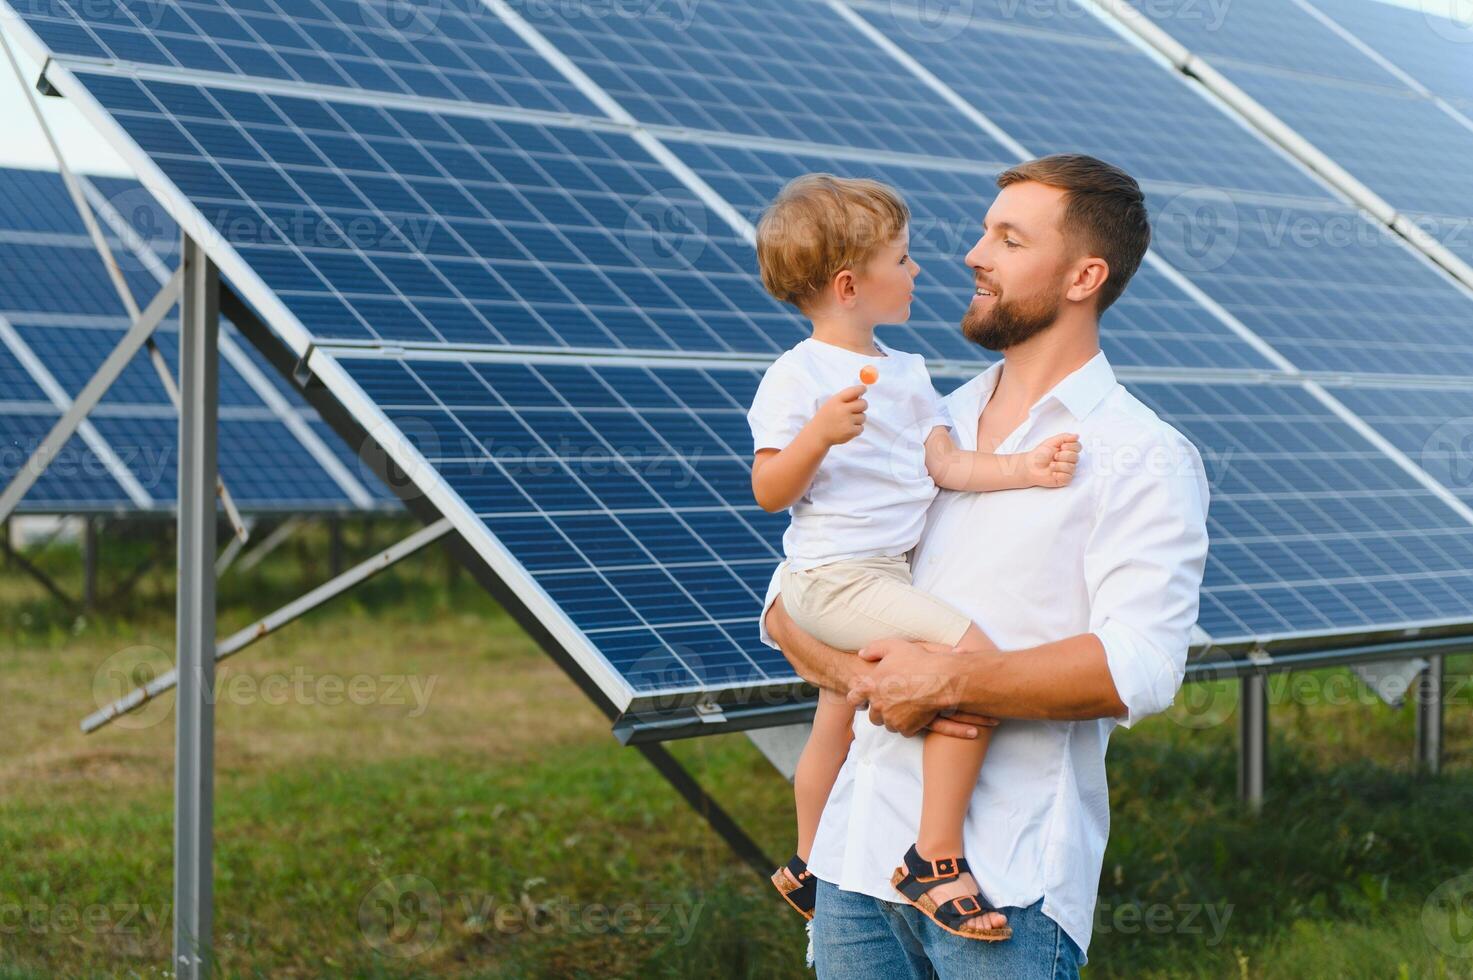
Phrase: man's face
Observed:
(1020, 265)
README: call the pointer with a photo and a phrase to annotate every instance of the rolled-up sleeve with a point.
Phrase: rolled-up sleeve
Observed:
(1144, 563)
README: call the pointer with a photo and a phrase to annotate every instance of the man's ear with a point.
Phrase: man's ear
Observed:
(1088, 278)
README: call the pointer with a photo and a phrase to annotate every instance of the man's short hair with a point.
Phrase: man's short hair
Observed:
(820, 225)
(1104, 212)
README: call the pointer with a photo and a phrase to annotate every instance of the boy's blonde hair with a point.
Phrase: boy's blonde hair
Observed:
(820, 225)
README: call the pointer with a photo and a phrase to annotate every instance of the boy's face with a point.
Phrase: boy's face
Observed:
(885, 285)
(1021, 265)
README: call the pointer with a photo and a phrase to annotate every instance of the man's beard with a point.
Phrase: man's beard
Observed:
(1008, 324)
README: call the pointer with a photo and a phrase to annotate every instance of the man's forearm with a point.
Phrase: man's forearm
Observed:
(815, 661)
(1068, 680)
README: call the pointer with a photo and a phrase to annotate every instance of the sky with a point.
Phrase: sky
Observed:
(25, 146)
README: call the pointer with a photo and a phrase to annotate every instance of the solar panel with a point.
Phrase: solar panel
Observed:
(76, 480)
(1091, 94)
(1432, 425)
(58, 307)
(770, 68)
(1313, 529)
(1327, 288)
(550, 326)
(417, 47)
(1355, 110)
(409, 226)
(1431, 48)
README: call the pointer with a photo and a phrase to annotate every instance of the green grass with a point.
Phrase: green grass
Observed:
(470, 800)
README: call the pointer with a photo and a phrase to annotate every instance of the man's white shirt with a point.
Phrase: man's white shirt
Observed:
(1120, 553)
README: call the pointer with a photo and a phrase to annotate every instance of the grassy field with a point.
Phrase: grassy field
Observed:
(407, 787)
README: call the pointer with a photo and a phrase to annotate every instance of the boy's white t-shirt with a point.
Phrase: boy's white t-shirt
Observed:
(870, 494)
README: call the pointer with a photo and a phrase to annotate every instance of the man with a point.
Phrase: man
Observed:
(1090, 591)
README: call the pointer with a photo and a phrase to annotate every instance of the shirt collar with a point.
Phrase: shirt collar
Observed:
(1086, 387)
(1079, 392)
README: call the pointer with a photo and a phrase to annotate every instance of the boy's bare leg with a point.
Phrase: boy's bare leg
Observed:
(950, 767)
(818, 766)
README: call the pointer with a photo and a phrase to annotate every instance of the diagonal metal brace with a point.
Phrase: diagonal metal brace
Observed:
(90, 394)
(238, 641)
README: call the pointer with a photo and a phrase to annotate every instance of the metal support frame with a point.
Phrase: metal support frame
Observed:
(1429, 707)
(114, 271)
(1253, 739)
(267, 625)
(89, 562)
(20, 561)
(194, 752)
(335, 545)
(90, 394)
(270, 543)
(232, 550)
(726, 828)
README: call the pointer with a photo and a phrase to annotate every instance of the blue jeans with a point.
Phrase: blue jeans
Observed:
(856, 935)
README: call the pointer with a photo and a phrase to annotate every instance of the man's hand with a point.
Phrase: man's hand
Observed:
(914, 686)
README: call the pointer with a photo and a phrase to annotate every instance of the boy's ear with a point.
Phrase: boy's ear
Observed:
(845, 286)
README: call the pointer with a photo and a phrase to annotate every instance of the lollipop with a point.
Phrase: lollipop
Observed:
(869, 374)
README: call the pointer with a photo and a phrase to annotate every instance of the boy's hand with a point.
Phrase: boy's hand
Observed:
(1052, 462)
(841, 418)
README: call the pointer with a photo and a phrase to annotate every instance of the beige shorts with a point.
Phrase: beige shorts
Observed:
(850, 603)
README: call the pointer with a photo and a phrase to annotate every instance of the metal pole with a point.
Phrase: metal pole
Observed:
(1253, 739)
(194, 764)
(1429, 692)
(335, 545)
(89, 562)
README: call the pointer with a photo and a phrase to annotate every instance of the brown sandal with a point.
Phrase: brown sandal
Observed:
(957, 916)
(801, 895)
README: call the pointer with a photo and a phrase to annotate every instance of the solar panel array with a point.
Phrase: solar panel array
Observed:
(1337, 72)
(517, 241)
(59, 319)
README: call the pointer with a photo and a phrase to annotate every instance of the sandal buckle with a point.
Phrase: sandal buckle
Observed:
(961, 903)
(944, 867)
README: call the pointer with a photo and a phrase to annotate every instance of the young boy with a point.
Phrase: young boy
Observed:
(858, 465)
